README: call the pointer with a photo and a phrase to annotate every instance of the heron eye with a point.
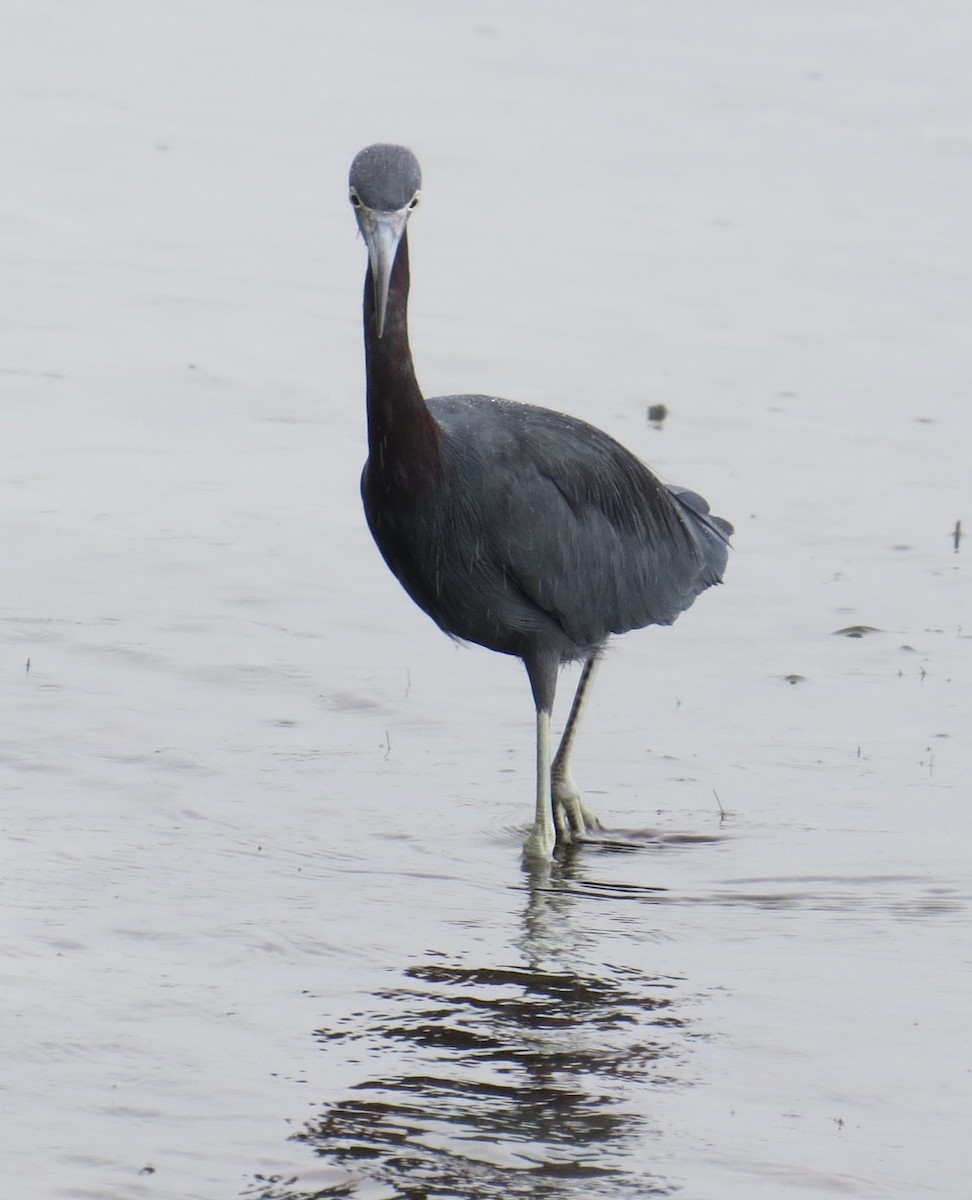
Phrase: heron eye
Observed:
(414, 202)
(355, 198)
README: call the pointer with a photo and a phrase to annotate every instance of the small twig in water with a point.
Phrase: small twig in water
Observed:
(723, 812)
(957, 536)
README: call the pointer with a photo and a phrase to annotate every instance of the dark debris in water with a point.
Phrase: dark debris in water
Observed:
(856, 631)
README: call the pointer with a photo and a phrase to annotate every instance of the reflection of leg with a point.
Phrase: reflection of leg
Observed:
(543, 837)
(573, 817)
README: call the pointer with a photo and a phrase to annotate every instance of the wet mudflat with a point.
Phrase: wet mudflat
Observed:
(265, 929)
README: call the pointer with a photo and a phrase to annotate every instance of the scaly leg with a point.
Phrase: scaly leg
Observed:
(573, 818)
(543, 837)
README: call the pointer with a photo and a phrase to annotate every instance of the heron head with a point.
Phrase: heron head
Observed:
(384, 187)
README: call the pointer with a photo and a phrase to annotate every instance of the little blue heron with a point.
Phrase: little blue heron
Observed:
(515, 527)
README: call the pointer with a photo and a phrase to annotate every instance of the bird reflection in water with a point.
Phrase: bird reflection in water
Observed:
(498, 1081)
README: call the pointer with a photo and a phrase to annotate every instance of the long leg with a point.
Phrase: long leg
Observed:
(573, 818)
(542, 667)
(543, 837)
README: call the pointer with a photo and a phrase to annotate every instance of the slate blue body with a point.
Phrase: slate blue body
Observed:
(536, 534)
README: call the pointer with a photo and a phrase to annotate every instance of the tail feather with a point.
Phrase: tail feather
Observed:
(712, 533)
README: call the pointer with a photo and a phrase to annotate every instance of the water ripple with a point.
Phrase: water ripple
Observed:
(498, 1082)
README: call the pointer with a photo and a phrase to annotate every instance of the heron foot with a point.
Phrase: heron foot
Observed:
(573, 818)
(539, 846)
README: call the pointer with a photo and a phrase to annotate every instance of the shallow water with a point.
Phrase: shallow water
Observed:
(265, 929)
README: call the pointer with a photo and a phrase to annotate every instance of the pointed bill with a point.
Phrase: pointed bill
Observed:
(382, 231)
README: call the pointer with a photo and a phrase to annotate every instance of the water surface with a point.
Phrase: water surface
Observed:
(265, 928)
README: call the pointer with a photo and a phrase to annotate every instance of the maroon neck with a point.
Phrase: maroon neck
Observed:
(403, 436)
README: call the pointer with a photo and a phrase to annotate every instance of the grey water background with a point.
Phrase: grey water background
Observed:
(264, 927)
